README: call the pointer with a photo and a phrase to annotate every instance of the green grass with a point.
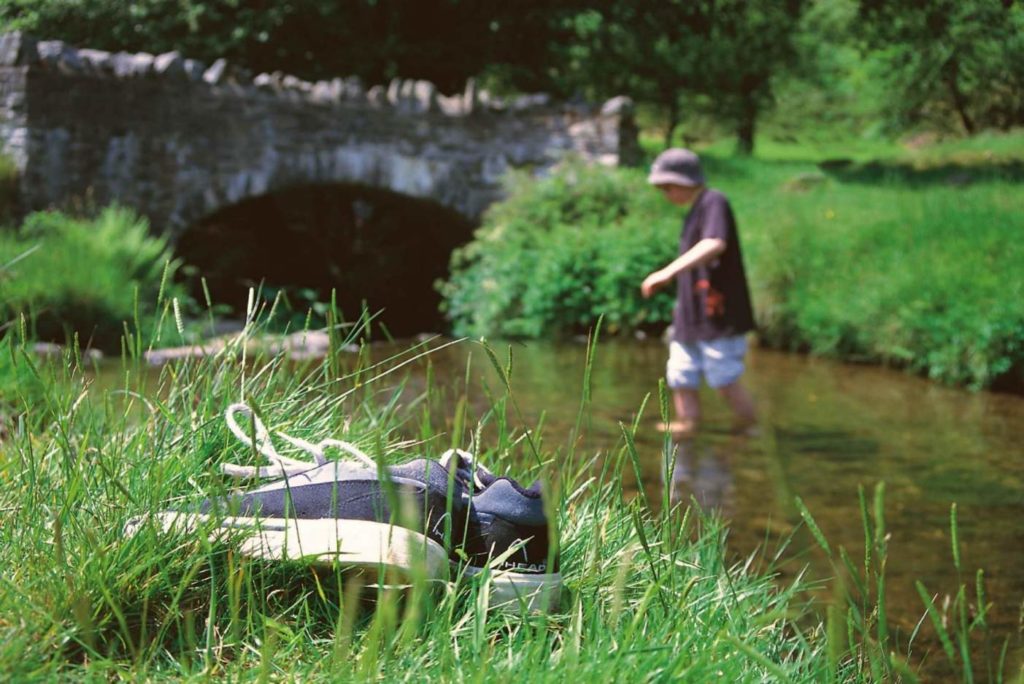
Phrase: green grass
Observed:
(651, 595)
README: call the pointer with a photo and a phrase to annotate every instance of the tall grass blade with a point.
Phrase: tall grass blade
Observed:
(936, 618)
(813, 526)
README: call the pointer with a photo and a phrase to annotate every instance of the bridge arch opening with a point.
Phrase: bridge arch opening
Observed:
(367, 244)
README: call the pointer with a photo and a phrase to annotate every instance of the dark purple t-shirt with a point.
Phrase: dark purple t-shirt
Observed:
(713, 300)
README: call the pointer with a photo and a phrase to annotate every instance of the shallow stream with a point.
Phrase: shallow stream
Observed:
(827, 428)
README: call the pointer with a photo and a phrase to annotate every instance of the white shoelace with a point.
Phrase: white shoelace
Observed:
(282, 466)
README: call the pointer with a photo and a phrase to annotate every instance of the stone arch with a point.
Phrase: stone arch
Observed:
(447, 182)
(366, 242)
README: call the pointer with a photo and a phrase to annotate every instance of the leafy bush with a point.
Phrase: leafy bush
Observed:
(84, 276)
(562, 251)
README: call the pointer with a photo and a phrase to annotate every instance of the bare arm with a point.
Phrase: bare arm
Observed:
(702, 252)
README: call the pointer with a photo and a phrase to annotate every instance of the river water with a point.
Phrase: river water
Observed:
(827, 429)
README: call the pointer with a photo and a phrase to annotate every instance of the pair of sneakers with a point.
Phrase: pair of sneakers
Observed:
(421, 518)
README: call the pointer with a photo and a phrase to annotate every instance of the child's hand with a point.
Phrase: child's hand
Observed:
(653, 283)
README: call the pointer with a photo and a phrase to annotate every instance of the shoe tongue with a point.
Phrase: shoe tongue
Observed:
(484, 477)
(465, 476)
(462, 467)
(470, 474)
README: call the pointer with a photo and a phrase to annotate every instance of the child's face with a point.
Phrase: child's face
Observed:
(680, 195)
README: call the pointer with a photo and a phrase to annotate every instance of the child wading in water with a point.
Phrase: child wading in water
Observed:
(712, 313)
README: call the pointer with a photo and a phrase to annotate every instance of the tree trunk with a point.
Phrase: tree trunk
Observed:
(672, 112)
(746, 124)
(950, 72)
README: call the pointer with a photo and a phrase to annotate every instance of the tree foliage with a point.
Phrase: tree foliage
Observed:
(671, 52)
(949, 59)
(959, 61)
(560, 253)
(445, 41)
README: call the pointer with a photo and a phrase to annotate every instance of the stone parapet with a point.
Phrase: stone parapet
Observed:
(178, 139)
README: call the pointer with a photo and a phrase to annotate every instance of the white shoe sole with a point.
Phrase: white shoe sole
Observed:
(514, 590)
(358, 544)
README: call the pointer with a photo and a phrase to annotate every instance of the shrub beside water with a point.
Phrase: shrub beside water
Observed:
(872, 266)
(86, 277)
(559, 253)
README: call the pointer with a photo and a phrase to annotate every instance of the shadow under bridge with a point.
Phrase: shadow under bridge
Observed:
(368, 245)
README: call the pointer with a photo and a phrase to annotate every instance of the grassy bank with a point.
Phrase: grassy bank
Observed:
(911, 259)
(65, 277)
(651, 594)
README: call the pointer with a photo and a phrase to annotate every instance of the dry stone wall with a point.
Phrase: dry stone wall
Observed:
(178, 139)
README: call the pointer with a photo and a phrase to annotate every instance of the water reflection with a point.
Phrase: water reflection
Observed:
(701, 472)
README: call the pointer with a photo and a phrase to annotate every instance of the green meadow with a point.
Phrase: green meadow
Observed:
(911, 260)
(891, 256)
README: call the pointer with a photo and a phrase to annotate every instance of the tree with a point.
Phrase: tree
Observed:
(445, 41)
(751, 43)
(645, 49)
(663, 51)
(959, 59)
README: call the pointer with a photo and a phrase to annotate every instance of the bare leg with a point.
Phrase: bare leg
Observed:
(741, 404)
(687, 405)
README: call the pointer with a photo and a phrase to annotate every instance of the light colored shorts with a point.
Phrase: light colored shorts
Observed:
(719, 361)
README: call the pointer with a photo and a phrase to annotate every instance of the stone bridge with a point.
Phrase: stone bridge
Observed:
(179, 140)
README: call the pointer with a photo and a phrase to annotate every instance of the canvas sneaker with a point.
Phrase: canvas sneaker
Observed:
(351, 513)
(507, 532)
